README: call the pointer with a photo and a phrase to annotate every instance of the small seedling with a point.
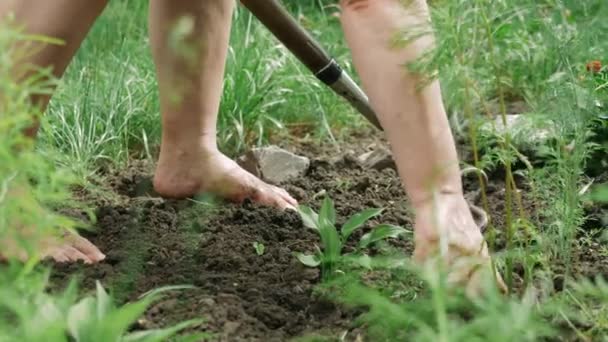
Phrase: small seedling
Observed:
(259, 248)
(333, 241)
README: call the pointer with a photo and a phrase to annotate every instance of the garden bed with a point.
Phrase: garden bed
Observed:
(241, 295)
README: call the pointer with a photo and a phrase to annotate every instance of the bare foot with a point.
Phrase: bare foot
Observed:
(182, 175)
(69, 248)
(462, 245)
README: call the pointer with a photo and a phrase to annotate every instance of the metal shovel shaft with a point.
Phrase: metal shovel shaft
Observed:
(287, 30)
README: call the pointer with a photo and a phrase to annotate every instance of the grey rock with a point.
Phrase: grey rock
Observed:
(379, 159)
(273, 164)
(524, 128)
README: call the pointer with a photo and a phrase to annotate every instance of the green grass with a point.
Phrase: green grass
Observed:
(107, 104)
(30, 185)
(107, 108)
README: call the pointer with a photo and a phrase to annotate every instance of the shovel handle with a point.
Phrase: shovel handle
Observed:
(280, 22)
(283, 25)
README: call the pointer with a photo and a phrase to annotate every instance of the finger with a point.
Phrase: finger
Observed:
(501, 284)
(59, 255)
(86, 247)
(473, 288)
(74, 254)
(480, 216)
(274, 199)
(291, 207)
(282, 204)
(286, 196)
(479, 280)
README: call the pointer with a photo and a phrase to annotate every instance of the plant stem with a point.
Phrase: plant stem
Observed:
(507, 160)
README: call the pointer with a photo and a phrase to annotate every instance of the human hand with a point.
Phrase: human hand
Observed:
(445, 228)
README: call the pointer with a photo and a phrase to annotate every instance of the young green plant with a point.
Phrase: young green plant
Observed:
(259, 248)
(99, 319)
(333, 241)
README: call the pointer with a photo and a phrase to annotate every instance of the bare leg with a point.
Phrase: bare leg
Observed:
(190, 71)
(67, 20)
(70, 21)
(416, 126)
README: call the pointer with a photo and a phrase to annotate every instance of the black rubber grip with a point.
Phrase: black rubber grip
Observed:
(330, 74)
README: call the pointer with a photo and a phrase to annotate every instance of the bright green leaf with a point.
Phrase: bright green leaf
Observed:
(381, 232)
(309, 217)
(357, 221)
(332, 244)
(104, 302)
(158, 335)
(600, 194)
(328, 211)
(363, 260)
(117, 323)
(160, 290)
(259, 248)
(308, 260)
(82, 317)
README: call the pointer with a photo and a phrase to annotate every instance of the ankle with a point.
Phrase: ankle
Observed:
(182, 137)
(177, 173)
(175, 183)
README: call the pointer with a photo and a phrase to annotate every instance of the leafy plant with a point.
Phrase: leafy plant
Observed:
(99, 319)
(600, 194)
(259, 248)
(29, 313)
(333, 241)
(31, 185)
(441, 315)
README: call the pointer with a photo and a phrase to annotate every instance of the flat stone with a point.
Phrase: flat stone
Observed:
(524, 128)
(273, 164)
(379, 159)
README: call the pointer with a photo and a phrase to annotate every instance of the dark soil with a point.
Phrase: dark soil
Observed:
(242, 296)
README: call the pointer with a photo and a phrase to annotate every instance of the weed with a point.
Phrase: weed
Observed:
(98, 319)
(333, 242)
(30, 314)
(440, 315)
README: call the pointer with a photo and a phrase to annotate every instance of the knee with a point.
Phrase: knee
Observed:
(365, 5)
(384, 14)
(356, 5)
